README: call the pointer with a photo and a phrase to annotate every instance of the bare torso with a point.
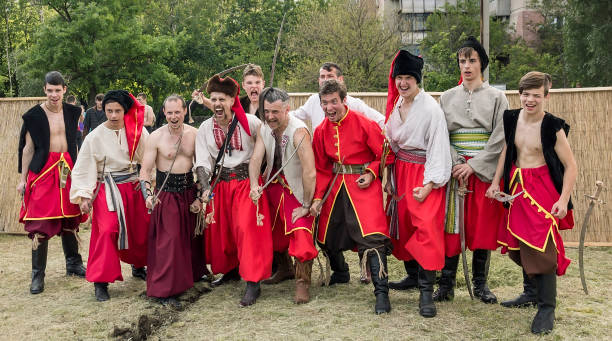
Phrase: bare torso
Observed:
(528, 142)
(57, 129)
(149, 116)
(166, 149)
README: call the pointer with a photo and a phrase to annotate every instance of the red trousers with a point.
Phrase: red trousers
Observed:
(234, 237)
(103, 264)
(44, 199)
(482, 217)
(421, 225)
(529, 218)
(286, 235)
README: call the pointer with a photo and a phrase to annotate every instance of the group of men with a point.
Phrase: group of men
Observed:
(267, 188)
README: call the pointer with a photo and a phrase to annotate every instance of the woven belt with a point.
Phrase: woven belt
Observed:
(121, 178)
(412, 156)
(176, 182)
(349, 169)
(239, 172)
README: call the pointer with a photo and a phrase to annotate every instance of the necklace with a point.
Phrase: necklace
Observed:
(48, 108)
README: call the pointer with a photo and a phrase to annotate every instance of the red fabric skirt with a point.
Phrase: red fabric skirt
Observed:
(234, 237)
(421, 225)
(295, 237)
(529, 218)
(482, 218)
(169, 262)
(43, 198)
(103, 264)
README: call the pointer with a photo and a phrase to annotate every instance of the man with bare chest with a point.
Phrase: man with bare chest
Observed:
(172, 263)
(47, 150)
(537, 165)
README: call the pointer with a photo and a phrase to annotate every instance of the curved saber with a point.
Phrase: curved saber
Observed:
(283, 166)
(594, 199)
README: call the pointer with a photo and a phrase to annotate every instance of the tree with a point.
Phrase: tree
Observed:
(588, 51)
(349, 33)
(98, 45)
(509, 58)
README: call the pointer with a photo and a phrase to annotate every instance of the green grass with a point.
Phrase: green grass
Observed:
(67, 309)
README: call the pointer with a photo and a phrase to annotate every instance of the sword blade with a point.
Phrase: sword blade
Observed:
(466, 274)
(585, 223)
(284, 165)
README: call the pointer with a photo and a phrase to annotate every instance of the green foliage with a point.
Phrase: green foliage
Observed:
(348, 33)
(587, 42)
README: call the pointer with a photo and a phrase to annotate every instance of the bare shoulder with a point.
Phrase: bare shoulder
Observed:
(299, 134)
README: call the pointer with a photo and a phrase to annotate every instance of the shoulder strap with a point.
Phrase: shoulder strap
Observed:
(230, 132)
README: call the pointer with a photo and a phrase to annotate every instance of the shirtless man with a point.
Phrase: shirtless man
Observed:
(149, 114)
(48, 146)
(537, 163)
(175, 261)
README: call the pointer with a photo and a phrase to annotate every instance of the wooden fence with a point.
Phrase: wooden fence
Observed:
(586, 110)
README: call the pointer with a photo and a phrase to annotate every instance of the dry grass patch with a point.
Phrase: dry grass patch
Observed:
(68, 310)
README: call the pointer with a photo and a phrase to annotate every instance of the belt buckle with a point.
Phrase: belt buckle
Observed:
(344, 169)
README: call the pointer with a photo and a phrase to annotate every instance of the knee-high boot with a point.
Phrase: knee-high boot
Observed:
(39, 264)
(340, 270)
(284, 268)
(74, 262)
(411, 280)
(480, 266)
(446, 288)
(527, 298)
(427, 307)
(380, 281)
(303, 272)
(544, 321)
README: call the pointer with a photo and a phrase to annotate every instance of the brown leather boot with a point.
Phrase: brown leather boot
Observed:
(284, 271)
(303, 271)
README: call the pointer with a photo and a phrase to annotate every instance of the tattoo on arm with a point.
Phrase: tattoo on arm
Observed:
(203, 178)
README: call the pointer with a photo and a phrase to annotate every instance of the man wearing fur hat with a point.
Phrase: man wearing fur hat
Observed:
(238, 236)
(474, 116)
(47, 150)
(285, 140)
(105, 180)
(416, 132)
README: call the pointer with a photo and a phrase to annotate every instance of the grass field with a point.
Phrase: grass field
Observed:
(68, 310)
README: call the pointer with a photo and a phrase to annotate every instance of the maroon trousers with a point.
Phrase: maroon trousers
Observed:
(172, 264)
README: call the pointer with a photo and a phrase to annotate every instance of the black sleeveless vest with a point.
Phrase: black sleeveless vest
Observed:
(548, 133)
(36, 123)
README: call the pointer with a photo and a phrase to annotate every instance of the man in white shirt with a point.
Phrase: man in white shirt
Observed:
(312, 111)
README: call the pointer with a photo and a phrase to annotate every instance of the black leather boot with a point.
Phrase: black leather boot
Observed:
(252, 292)
(479, 274)
(74, 262)
(139, 272)
(101, 291)
(410, 281)
(232, 275)
(39, 264)
(340, 270)
(544, 321)
(426, 279)
(525, 299)
(381, 286)
(446, 288)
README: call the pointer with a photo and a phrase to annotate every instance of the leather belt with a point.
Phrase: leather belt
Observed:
(176, 182)
(239, 172)
(350, 169)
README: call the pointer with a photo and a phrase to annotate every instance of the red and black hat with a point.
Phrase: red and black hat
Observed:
(231, 88)
(133, 118)
(404, 63)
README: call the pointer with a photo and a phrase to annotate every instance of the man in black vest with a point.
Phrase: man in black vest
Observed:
(47, 151)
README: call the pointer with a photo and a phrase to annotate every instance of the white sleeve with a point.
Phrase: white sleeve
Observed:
(203, 157)
(439, 163)
(84, 176)
(359, 105)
